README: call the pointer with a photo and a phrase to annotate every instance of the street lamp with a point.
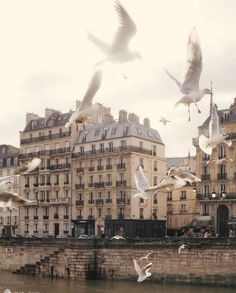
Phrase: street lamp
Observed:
(223, 194)
(213, 194)
(194, 188)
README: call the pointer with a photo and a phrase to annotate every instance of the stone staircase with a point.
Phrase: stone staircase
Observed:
(64, 262)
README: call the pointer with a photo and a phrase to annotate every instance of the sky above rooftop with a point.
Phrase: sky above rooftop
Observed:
(46, 60)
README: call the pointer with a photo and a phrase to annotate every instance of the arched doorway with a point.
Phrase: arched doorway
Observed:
(222, 221)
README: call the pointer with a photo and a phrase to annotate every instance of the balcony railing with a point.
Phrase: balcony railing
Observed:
(99, 201)
(26, 185)
(120, 201)
(108, 167)
(45, 217)
(36, 184)
(184, 211)
(91, 169)
(169, 212)
(80, 170)
(205, 177)
(99, 184)
(126, 149)
(121, 166)
(56, 216)
(120, 183)
(108, 217)
(100, 168)
(108, 200)
(60, 200)
(218, 196)
(222, 176)
(109, 183)
(90, 185)
(91, 217)
(60, 167)
(79, 186)
(66, 217)
(36, 217)
(91, 201)
(26, 217)
(45, 137)
(79, 202)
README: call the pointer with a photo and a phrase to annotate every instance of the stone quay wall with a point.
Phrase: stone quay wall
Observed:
(205, 261)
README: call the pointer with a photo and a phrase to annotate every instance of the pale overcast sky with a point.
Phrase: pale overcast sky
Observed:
(46, 60)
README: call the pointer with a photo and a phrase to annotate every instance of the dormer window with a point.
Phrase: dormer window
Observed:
(113, 131)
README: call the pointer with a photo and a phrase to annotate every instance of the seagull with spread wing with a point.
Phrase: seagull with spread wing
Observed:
(12, 200)
(219, 161)
(164, 121)
(189, 86)
(146, 256)
(118, 51)
(183, 246)
(86, 108)
(7, 182)
(215, 137)
(143, 272)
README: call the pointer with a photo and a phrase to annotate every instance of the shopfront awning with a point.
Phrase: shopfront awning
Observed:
(200, 221)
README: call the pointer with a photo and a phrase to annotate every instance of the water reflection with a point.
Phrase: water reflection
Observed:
(28, 284)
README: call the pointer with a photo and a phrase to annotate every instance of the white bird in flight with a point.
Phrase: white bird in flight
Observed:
(118, 51)
(183, 246)
(7, 182)
(219, 161)
(215, 137)
(146, 256)
(143, 273)
(189, 86)
(86, 107)
(164, 121)
(7, 291)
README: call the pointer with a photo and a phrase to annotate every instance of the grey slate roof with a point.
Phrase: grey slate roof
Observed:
(174, 162)
(231, 118)
(113, 130)
(55, 119)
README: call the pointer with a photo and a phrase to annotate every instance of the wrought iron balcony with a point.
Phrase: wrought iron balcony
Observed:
(121, 216)
(79, 186)
(91, 169)
(91, 217)
(109, 183)
(99, 184)
(121, 166)
(66, 217)
(121, 183)
(120, 201)
(56, 216)
(91, 201)
(108, 167)
(79, 202)
(99, 201)
(108, 200)
(222, 176)
(80, 170)
(45, 217)
(100, 168)
(205, 177)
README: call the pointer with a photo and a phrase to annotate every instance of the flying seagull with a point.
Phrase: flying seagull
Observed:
(11, 200)
(117, 237)
(164, 121)
(7, 182)
(7, 291)
(179, 173)
(219, 161)
(86, 107)
(183, 246)
(146, 256)
(215, 137)
(118, 51)
(189, 86)
(144, 272)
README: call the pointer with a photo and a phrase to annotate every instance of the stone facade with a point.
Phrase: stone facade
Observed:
(206, 261)
(87, 174)
(9, 164)
(216, 192)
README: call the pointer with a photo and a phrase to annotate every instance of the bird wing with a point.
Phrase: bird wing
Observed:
(192, 71)
(104, 47)
(189, 177)
(33, 164)
(137, 268)
(141, 180)
(93, 87)
(147, 267)
(214, 128)
(126, 30)
(176, 80)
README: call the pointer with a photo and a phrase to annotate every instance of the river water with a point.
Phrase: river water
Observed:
(29, 284)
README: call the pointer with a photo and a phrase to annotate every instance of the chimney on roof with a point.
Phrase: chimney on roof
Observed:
(48, 113)
(146, 122)
(133, 118)
(31, 116)
(123, 116)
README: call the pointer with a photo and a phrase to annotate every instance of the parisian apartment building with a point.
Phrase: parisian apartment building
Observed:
(87, 173)
(181, 203)
(9, 164)
(216, 193)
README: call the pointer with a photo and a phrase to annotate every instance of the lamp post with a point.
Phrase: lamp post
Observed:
(223, 194)
(10, 211)
(213, 194)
